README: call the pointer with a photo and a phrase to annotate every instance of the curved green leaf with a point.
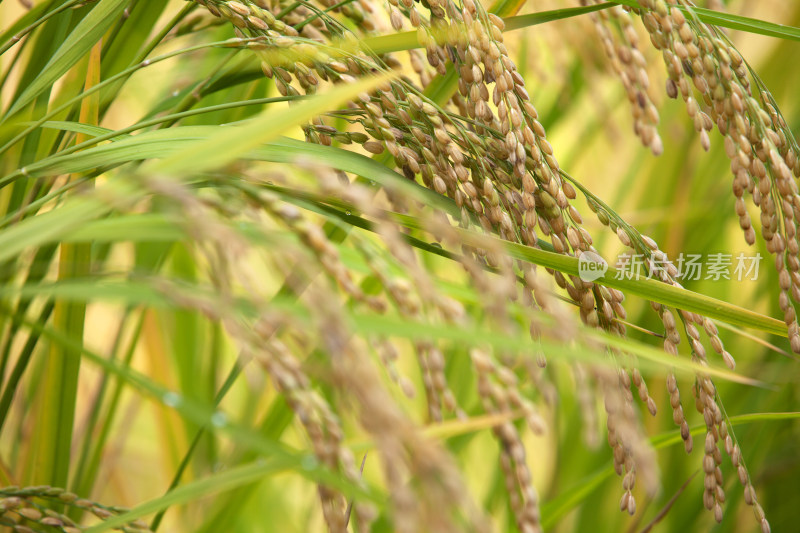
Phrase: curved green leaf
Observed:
(80, 41)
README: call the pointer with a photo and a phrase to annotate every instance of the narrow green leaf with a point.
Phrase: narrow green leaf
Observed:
(228, 144)
(143, 293)
(35, 17)
(506, 8)
(52, 225)
(555, 509)
(80, 41)
(395, 42)
(674, 437)
(644, 287)
(533, 19)
(77, 127)
(224, 481)
(146, 227)
(734, 22)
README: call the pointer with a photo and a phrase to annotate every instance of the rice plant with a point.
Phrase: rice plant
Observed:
(407, 266)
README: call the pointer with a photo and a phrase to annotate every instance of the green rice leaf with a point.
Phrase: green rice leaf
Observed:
(734, 22)
(228, 144)
(80, 41)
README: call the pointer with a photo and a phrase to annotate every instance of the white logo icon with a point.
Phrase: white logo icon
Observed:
(591, 266)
